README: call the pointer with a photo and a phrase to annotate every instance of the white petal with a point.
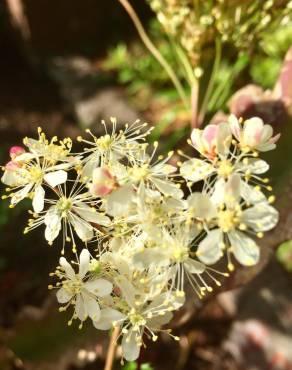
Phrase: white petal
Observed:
(232, 189)
(56, 178)
(10, 178)
(158, 321)
(80, 308)
(196, 170)
(53, 225)
(90, 214)
(194, 267)
(255, 166)
(25, 157)
(261, 217)
(130, 348)
(99, 287)
(107, 317)
(70, 273)
(209, 250)
(201, 206)
(218, 194)
(167, 188)
(38, 199)
(151, 256)
(91, 307)
(84, 260)
(251, 195)
(235, 126)
(127, 289)
(224, 138)
(63, 296)
(20, 194)
(119, 201)
(82, 228)
(244, 248)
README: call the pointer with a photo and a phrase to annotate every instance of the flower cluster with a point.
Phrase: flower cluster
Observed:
(197, 23)
(139, 228)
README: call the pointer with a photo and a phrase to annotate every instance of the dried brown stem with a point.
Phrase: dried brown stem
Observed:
(110, 356)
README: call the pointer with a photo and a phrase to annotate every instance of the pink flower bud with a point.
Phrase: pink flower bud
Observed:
(12, 166)
(103, 182)
(15, 151)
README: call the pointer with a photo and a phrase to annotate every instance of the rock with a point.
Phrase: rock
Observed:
(79, 83)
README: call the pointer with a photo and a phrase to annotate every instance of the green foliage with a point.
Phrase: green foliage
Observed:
(284, 255)
(266, 65)
(264, 71)
(130, 366)
(136, 67)
(134, 366)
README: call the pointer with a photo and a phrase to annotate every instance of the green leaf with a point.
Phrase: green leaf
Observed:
(130, 366)
(146, 367)
(284, 255)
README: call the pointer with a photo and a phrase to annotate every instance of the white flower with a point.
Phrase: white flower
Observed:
(52, 151)
(155, 176)
(81, 290)
(113, 146)
(222, 161)
(253, 134)
(234, 221)
(27, 174)
(70, 212)
(139, 319)
(214, 140)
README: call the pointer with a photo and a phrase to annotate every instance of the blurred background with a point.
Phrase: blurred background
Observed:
(64, 66)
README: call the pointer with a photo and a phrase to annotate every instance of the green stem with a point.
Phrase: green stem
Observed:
(154, 51)
(204, 106)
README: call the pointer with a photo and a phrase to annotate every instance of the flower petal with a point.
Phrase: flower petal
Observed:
(167, 188)
(70, 273)
(84, 260)
(20, 194)
(38, 199)
(201, 206)
(90, 214)
(99, 287)
(130, 347)
(80, 308)
(261, 217)
(244, 248)
(91, 307)
(209, 250)
(194, 267)
(196, 170)
(82, 228)
(107, 317)
(63, 296)
(56, 178)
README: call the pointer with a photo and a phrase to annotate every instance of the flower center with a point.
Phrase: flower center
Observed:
(73, 286)
(179, 253)
(136, 319)
(227, 220)
(104, 142)
(64, 204)
(35, 174)
(139, 173)
(225, 168)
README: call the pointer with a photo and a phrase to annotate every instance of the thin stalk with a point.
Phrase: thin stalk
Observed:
(195, 122)
(183, 59)
(211, 82)
(154, 51)
(110, 356)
